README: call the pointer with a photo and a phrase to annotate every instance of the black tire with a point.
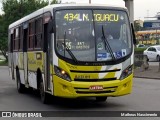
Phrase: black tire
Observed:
(44, 96)
(101, 99)
(20, 86)
(158, 58)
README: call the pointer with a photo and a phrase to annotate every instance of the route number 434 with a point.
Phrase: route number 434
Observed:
(71, 17)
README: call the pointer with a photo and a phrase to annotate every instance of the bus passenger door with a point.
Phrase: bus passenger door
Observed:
(47, 53)
(46, 60)
(25, 34)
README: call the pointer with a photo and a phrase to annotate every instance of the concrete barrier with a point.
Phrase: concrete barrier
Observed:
(141, 60)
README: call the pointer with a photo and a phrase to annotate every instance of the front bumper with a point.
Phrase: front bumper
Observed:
(63, 88)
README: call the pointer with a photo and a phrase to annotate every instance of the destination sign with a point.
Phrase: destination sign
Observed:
(97, 17)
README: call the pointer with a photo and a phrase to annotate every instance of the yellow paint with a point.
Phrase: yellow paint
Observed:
(67, 67)
(33, 62)
(152, 42)
(64, 88)
(110, 75)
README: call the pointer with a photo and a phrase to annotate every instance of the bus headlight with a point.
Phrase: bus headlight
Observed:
(126, 72)
(61, 73)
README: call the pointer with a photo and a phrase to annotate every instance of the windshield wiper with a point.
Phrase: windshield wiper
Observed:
(68, 50)
(107, 44)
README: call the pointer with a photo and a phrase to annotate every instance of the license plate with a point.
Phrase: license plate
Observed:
(96, 87)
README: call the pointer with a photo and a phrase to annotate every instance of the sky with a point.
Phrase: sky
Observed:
(142, 8)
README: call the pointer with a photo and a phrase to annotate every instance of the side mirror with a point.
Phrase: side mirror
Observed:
(133, 33)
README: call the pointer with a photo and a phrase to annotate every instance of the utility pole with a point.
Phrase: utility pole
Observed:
(89, 1)
(49, 2)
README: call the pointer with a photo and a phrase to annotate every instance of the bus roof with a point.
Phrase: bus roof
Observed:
(50, 8)
(85, 5)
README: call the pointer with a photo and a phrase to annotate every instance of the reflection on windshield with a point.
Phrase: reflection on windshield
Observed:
(107, 44)
(84, 34)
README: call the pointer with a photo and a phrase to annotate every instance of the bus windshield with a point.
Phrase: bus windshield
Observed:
(83, 33)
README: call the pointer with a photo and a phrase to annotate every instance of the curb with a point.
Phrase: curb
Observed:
(146, 77)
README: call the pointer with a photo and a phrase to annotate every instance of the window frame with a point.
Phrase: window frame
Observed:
(16, 39)
(37, 33)
(31, 34)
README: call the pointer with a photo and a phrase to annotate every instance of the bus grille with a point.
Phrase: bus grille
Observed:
(104, 71)
(95, 80)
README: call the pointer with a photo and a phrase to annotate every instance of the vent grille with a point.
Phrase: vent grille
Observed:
(81, 71)
(95, 80)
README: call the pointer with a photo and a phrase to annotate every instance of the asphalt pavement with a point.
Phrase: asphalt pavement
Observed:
(144, 97)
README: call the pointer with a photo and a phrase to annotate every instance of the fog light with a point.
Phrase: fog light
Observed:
(124, 85)
(64, 87)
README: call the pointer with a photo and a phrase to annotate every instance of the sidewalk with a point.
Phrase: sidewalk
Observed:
(151, 73)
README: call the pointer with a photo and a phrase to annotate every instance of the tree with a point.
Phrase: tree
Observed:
(3, 34)
(55, 2)
(137, 26)
(14, 10)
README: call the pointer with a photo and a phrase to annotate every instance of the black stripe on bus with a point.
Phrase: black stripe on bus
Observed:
(80, 71)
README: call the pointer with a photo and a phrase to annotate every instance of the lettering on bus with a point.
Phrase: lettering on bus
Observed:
(82, 76)
(31, 61)
(106, 17)
(79, 45)
(97, 17)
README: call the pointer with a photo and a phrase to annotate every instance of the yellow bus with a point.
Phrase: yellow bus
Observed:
(72, 51)
(148, 37)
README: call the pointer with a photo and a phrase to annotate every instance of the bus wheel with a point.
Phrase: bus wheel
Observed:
(43, 94)
(101, 99)
(20, 86)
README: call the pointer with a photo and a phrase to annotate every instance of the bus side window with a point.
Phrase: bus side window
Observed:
(38, 34)
(31, 35)
(25, 36)
(10, 42)
(20, 44)
(16, 39)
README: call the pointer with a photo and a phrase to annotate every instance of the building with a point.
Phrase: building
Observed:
(150, 32)
(140, 22)
(152, 24)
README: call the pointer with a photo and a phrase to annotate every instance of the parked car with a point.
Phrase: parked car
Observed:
(141, 46)
(153, 53)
